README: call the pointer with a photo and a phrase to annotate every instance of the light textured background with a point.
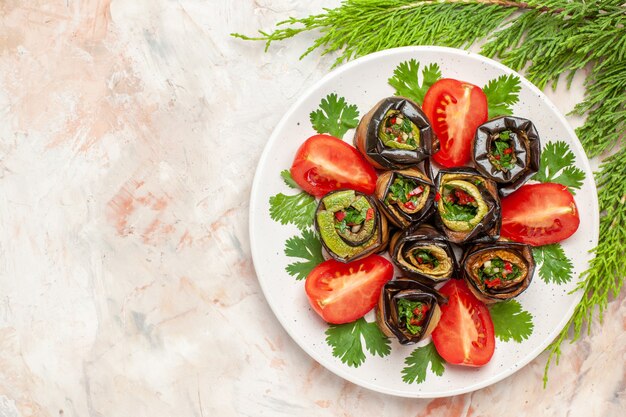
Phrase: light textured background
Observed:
(129, 135)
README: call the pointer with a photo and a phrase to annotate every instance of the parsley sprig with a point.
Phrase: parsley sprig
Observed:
(511, 321)
(334, 116)
(558, 165)
(418, 362)
(502, 93)
(307, 246)
(554, 265)
(347, 341)
(406, 79)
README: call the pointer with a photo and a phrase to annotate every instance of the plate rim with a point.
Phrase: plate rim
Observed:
(257, 183)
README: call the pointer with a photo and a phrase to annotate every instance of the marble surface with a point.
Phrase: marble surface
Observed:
(129, 135)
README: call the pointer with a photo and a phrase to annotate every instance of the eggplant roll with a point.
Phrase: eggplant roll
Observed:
(350, 225)
(424, 254)
(395, 134)
(405, 196)
(507, 150)
(467, 206)
(408, 310)
(498, 271)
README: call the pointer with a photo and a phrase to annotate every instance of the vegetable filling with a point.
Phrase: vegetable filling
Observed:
(459, 205)
(412, 315)
(398, 131)
(426, 258)
(407, 194)
(496, 271)
(502, 154)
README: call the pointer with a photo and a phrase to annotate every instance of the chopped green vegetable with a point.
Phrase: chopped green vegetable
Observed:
(308, 247)
(346, 341)
(510, 321)
(296, 209)
(334, 116)
(502, 93)
(555, 266)
(425, 257)
(457, 213)
(557, 165)
(286, 175)
(406, 79)
(410, 315)
(417, 364)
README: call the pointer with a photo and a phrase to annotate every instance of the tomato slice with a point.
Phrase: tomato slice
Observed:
(464, 335)
(455, 110)
(343, 292)
(539, 214)
(324, 163)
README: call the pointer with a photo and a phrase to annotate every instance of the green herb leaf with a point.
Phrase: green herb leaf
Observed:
(557, 165)
(555, 266)
(406, 79)
(345, 339)
(457, 213)
(417, 364)
(502, 93)
(510, 321)
(296, 209)
(286, 175)
(308, 247)
(334, 116)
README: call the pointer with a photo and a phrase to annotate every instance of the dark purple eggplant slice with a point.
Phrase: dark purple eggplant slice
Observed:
(498, 271)
(423, 253)
(395, 134)
(467, 206)
(406, 196)
(408, 310)
(507, 150)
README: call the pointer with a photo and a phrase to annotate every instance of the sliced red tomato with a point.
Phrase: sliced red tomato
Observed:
(464, 335)
(455, 110)
(539, 214)
(343, 292)
(324, 163)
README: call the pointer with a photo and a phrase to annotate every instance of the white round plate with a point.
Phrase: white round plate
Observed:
(364, 82)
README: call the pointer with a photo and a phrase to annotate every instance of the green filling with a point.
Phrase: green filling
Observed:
(398, 131)
(424, 257)
(495, 269)
(407, 315)
(502, 154)
(401, 189)
(457, 209)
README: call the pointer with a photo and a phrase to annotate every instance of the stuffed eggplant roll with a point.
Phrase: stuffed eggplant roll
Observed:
(507, 150)
(424, 254)
(408, 310)
(405, 196)
(467, 206)
(350, 225)
(498, 271)
(395, 134)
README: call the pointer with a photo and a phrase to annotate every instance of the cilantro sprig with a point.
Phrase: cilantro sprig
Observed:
(418, 361)
(307, 247)
(510, 321)
(297, 209)
(406, 79)
(502, 93)
(334, 116)
(554, 265)
(346, 341)
(288, 179)
(557, 165)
